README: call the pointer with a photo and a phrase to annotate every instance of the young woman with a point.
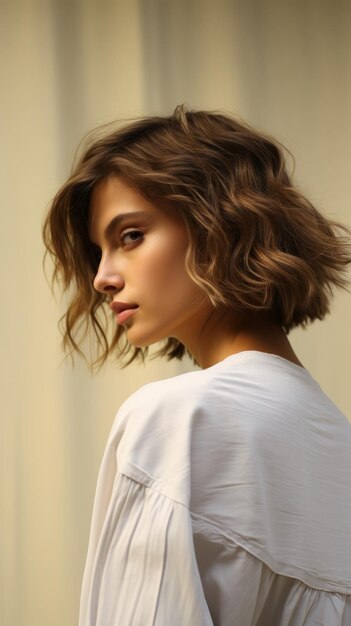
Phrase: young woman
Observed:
(224, 495)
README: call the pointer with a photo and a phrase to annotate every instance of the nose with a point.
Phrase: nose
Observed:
(107, 280)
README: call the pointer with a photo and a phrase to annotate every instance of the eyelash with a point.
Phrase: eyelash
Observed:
(97, 251)
(132, 232)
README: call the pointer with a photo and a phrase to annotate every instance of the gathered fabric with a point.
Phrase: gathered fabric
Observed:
(223, 499)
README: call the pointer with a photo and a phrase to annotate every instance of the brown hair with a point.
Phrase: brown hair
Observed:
(256, 242)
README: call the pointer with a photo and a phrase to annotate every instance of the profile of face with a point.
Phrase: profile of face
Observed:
(143, 248)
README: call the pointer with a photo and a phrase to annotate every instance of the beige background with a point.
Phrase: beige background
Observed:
(66, 67)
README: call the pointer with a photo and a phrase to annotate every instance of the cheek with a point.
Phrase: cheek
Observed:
(163, 269)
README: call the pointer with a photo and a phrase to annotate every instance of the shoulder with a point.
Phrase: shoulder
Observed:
(166, 405)
(248, 392)
(200, 386)
(165, 422)
(160, 391)
(172, 427)
(251, 410)
(252, 390)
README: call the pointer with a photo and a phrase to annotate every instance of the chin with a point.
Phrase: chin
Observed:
(143, 340)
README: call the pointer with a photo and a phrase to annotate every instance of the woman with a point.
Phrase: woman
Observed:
(224, 495)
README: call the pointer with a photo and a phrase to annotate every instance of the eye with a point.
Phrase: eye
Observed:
(134, 235)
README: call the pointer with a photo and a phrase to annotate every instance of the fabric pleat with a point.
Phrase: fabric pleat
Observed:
(223, 499)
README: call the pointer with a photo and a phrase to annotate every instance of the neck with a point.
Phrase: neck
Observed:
(226, 334)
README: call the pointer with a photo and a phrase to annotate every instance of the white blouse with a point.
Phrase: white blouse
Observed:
(223, 499)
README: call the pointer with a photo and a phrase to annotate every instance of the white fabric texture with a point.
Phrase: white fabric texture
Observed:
(223, 499)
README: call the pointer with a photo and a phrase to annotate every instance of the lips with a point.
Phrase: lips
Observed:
(118, 307)
(123, 310)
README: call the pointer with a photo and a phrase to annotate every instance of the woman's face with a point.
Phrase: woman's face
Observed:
(143, 250)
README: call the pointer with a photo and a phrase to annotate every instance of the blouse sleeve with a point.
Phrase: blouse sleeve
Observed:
(234, 581)
(154, 563)
(142, 570)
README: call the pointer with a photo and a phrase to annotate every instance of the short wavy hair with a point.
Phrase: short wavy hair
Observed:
(255, 242)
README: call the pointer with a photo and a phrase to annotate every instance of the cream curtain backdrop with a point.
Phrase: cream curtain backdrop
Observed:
(67, 67)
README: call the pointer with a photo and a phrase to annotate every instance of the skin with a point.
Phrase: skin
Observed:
(147, 268)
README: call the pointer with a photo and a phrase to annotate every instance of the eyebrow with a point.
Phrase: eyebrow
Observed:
(118, 219)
